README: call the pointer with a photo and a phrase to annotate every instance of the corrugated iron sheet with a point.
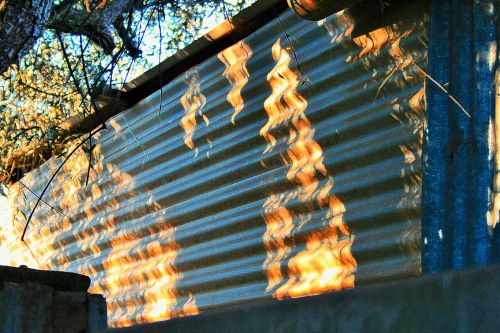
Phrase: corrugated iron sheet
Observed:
(459, 209)
(287, 165)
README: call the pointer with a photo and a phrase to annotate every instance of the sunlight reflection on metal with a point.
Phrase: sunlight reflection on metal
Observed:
(180, 235)
(235, 59)
(340, 29)
(12, 251)
(403, 72)
(138, 281)
(193, 101)
(223, 29)
(326, 263)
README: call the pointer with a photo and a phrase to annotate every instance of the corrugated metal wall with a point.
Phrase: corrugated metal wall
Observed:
(459, 209)
(288, 164)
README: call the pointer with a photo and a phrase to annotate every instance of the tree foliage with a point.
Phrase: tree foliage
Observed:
(57, 55)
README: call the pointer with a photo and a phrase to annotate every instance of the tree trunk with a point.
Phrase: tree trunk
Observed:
(22, 22)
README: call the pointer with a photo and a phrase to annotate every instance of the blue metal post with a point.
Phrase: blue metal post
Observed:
(483, 89)
(436, 141)
(459, 150)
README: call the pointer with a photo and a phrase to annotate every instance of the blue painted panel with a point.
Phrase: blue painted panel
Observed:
(436, 141)
(459, 144)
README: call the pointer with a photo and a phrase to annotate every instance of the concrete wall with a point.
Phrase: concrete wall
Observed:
(48, 302)
(39, 308)
(453, 302)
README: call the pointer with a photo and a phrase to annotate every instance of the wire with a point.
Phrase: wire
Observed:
(52, 178)
(299, 68)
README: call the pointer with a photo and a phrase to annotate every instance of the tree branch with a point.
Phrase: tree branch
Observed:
(127, 38)
(98, 25)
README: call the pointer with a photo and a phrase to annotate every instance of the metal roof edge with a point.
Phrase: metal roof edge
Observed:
(219, 38)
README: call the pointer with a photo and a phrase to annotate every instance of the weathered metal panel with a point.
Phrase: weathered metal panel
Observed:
(287, 165)
(459, 210)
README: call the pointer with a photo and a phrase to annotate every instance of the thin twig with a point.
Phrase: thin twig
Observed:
(90, 160)
(45, 202)
(43, 92)
(159, 62)
(71, 73)
(86, 79)
(291, 45)
(387, 79)
(52, 178)
(440, 87)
